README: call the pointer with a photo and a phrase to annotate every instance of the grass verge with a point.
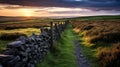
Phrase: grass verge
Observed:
(64, 52)
(88, 51)
(3, 45)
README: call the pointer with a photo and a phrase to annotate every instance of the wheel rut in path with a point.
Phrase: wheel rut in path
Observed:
(81, 60)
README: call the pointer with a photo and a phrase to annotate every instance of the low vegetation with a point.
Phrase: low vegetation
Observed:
(3, 45)
(15, 33)
(63, 55)
(99, 37)
(110, 57)
(102, 38)
(91, 18)
(19, 25)
(10, 31)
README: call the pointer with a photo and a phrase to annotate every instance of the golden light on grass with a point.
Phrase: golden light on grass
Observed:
(27, 31)
(76, 30)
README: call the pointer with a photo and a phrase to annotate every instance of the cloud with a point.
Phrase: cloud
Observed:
(67, 12)
(86, 13)
(3, 6)
(61, 10)
(63, 7)
(76, 11)
(13, 7)
(90, 4)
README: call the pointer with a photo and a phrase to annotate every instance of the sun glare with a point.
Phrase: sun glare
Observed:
(27, 12)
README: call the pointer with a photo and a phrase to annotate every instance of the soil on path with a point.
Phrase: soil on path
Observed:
(81, 60)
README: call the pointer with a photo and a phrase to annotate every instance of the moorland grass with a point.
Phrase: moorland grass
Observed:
(89, 18)
(18, 32)
(99, 41)
(19, 25)
(98, 31)
(109, 57)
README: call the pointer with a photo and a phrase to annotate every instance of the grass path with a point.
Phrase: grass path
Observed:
(87, 51)
(64, 54)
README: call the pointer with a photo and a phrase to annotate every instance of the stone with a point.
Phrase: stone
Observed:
(28, 51)
(1, 65)
(5, 58)
(13, 61)
(16, 44)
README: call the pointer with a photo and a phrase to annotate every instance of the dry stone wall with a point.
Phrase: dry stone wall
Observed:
(28, 51)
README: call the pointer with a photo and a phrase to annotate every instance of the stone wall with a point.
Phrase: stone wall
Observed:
(28, 51)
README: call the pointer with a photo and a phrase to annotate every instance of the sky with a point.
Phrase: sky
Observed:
(64, 8)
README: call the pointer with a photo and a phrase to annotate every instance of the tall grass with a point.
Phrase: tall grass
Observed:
(19, 25)
(15, 33)
(100, 41)
(110, 57)
(97, 31)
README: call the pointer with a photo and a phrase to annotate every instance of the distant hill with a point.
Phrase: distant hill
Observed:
(14, 19)
(20, 18)
(105, 17)
(10, 19)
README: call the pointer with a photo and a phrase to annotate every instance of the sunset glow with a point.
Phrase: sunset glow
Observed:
(26, 12)
(70, 8)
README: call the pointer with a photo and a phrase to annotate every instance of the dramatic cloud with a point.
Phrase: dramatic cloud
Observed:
(91, 4)
(75, 11)
(59, 7)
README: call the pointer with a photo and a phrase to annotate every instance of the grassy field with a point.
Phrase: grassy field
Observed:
(63, 56)
(9, 19)
(12, 28)
(100, 40)
(7, 36)
(19, 25)
(99, 37)
(96, 18)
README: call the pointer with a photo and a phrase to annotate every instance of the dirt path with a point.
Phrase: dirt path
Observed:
(82, 61)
